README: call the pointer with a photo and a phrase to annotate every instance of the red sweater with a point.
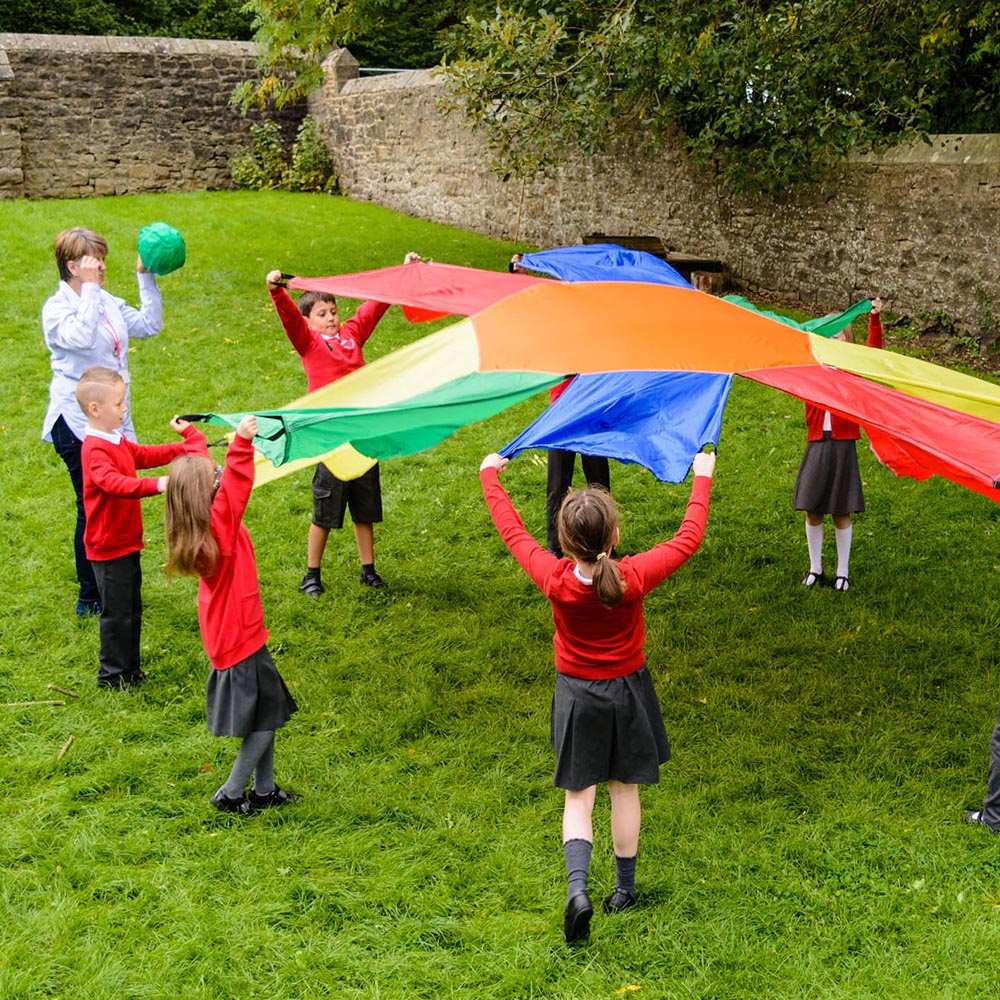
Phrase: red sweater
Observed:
(841, 429)
(591, 640)
(230, 613)
(111, 487)
(325, 360)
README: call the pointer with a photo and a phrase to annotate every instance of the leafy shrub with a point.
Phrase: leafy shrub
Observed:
(312, 165)
(264, 165)
(267, 165)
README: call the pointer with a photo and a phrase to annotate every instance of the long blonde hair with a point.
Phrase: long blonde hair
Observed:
(587, 524)
(191, 547)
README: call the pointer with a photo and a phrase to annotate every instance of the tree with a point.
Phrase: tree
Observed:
(294, 36)
(172, 18)
(774, 92)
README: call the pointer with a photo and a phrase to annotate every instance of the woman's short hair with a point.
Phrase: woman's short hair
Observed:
(72, 244)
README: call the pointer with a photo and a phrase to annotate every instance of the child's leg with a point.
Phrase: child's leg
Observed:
(254, 746)
(626, 819)
(327, 513)
(119, 582)
(364, 535)
(317, 545)
(578, 844)
(844, 534)
(814, 542)
(578, 830)
(263, 772)
(364, 499)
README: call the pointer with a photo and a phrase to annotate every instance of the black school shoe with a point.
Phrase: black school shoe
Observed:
(371, 579)
(312, 586)
(576, 918)
(225, 804)
(123, 682)
(279, 797)
(619, 900)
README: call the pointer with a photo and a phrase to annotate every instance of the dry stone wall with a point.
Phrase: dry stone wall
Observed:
(919, 225)
(84, 116)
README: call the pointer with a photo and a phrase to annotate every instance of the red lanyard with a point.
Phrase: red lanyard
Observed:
(110, 327)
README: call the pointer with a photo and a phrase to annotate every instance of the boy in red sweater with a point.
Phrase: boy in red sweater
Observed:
(113, 537)
(329, 350)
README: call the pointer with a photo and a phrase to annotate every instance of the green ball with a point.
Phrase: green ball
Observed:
(161, 248)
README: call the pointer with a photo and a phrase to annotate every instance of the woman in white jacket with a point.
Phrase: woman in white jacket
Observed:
(84, 325)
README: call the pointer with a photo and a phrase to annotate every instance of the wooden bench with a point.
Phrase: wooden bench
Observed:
(703, 272)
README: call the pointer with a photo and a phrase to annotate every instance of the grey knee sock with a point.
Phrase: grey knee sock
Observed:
(253, 747)
(577, 854)
(625, 874)
(263, 773)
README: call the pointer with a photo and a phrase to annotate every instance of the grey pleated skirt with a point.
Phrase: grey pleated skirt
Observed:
(829, 481)
(248, 697)
(605, 730)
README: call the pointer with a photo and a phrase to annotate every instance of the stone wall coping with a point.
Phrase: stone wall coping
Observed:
(124, 44)
(943, 150)
(406, 79)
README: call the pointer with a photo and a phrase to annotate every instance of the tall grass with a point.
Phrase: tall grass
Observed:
(806, 839)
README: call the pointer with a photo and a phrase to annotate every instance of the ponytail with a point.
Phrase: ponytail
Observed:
(587, 525)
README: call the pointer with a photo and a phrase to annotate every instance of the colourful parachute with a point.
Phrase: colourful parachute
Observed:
(666, 347)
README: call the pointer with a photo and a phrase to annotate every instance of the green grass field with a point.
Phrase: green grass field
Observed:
(805, 841)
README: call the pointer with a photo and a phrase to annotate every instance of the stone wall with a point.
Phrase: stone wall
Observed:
(83, 116)
(919, 225)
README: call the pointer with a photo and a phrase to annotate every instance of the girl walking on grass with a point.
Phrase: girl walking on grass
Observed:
(829, 481)
(606, 724)
(206, 538)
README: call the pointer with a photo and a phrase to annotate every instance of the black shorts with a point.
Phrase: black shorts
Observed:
(332, 496)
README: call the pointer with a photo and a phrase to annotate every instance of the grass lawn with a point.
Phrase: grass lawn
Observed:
(805, 841)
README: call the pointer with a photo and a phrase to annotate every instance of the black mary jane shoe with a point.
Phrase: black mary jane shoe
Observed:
(619, 900)
(278, 797)
(576, 918)
(225, 804)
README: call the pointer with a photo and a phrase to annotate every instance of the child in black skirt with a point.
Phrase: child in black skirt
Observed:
(206, 537)
(606, 724)
(829, 481)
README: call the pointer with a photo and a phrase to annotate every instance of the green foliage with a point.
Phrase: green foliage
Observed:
(311, 167)
(267, 165)
(776, 94)
(987, 314)
(171, 18)
(294, 36)
(805, 840)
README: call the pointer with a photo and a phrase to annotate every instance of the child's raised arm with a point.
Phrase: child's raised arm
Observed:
(247, 426)
(704, 464)
(494, 461)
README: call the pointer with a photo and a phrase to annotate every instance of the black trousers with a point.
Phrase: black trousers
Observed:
(558, 482)
(120, 583)
(67, 446)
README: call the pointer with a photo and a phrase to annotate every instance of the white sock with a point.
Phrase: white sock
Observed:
(843, 536)
(814, 541)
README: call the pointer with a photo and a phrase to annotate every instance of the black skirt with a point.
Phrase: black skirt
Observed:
(248, 697)
(829, 481)
(607, 730)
